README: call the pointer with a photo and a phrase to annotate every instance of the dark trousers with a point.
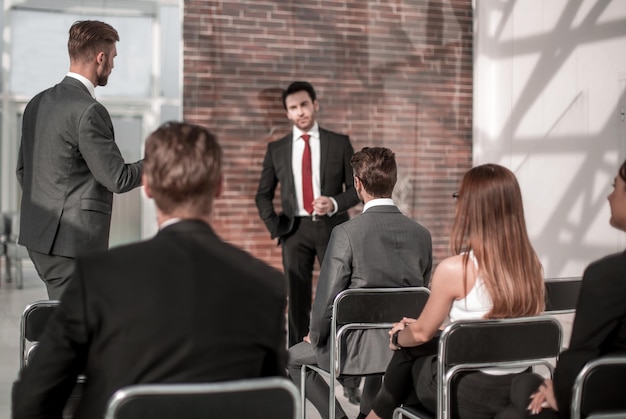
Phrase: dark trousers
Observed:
(307, 240)
(411, 379)
(475, 395)
(55, 271)
(317, 390)
(522, 387)
(397, 388)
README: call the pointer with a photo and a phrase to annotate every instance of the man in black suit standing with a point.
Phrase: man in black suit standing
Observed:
(181, 307)
(68, 164)
(313, 168)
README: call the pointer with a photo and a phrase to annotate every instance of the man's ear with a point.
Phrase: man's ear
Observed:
(100, 57)
(146, 186)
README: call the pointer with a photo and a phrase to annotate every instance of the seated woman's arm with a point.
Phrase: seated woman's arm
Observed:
(447, 285)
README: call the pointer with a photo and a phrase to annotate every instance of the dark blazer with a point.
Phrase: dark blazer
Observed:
(599, 326)
(381, 248)
(336, 181)
(181, 307)
(69, 166)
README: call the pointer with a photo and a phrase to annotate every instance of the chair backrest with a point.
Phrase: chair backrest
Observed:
(474, 344)
(368, 309)
(257, 398)
(599, 389)
(33, 323)
(562, 294)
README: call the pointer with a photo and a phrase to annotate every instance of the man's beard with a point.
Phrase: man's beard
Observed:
(103, 80)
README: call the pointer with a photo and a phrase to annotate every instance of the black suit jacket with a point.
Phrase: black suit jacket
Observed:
(69, 167)
(335, 174)
(599, 326)
(181, 307)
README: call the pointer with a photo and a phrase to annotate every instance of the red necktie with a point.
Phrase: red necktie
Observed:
(307, 177)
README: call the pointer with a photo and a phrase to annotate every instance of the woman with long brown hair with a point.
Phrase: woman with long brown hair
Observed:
(494, 273)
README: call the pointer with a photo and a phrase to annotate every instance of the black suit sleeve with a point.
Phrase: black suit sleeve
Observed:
(600, 320)
(265, 194)
(45, 384)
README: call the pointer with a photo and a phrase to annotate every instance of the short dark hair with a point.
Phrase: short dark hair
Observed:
(89, 37)
(298, 86)
(376, 169)
(183, 167)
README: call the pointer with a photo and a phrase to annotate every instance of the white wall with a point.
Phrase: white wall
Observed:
(550, 82)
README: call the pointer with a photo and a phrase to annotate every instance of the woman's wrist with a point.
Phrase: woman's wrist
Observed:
(395, 337)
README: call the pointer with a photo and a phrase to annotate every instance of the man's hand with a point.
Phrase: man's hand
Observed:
(307, 338)
(323, 205)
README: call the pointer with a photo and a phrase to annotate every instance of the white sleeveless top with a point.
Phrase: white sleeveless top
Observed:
(476, 305)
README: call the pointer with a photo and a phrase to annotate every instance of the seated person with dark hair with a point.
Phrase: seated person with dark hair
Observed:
(183, 307)
(381, 248)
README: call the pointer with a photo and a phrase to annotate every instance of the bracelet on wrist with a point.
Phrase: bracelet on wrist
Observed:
(394, 339)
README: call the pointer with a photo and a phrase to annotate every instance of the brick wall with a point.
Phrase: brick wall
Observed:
(388, 73)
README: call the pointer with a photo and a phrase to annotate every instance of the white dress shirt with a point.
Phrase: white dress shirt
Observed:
(84, 80)
(378, 201)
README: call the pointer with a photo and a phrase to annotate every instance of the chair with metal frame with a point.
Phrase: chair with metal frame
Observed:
(363, 309)
(598, 390)
(502, 343)
(255, 398)
(562, 295)
(32, 325)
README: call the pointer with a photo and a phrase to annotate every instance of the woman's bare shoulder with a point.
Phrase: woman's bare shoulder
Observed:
(450, 274)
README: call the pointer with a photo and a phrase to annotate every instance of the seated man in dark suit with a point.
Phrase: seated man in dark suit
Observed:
(181, 307)
(379, 248)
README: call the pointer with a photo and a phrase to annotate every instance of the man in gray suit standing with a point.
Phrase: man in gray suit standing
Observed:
(68, 164)
(379, 248)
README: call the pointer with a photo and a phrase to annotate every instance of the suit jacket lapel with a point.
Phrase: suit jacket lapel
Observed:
(324, 150)
(287, 157)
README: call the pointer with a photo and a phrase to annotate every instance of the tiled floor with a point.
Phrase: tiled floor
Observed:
(13, 302)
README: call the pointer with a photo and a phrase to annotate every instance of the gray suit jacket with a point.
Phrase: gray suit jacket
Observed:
(377, 249)
(68, 167)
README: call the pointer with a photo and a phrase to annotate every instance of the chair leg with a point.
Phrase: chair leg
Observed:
(331, 396)
(302, 391)
(7, 267)
(19, 275)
